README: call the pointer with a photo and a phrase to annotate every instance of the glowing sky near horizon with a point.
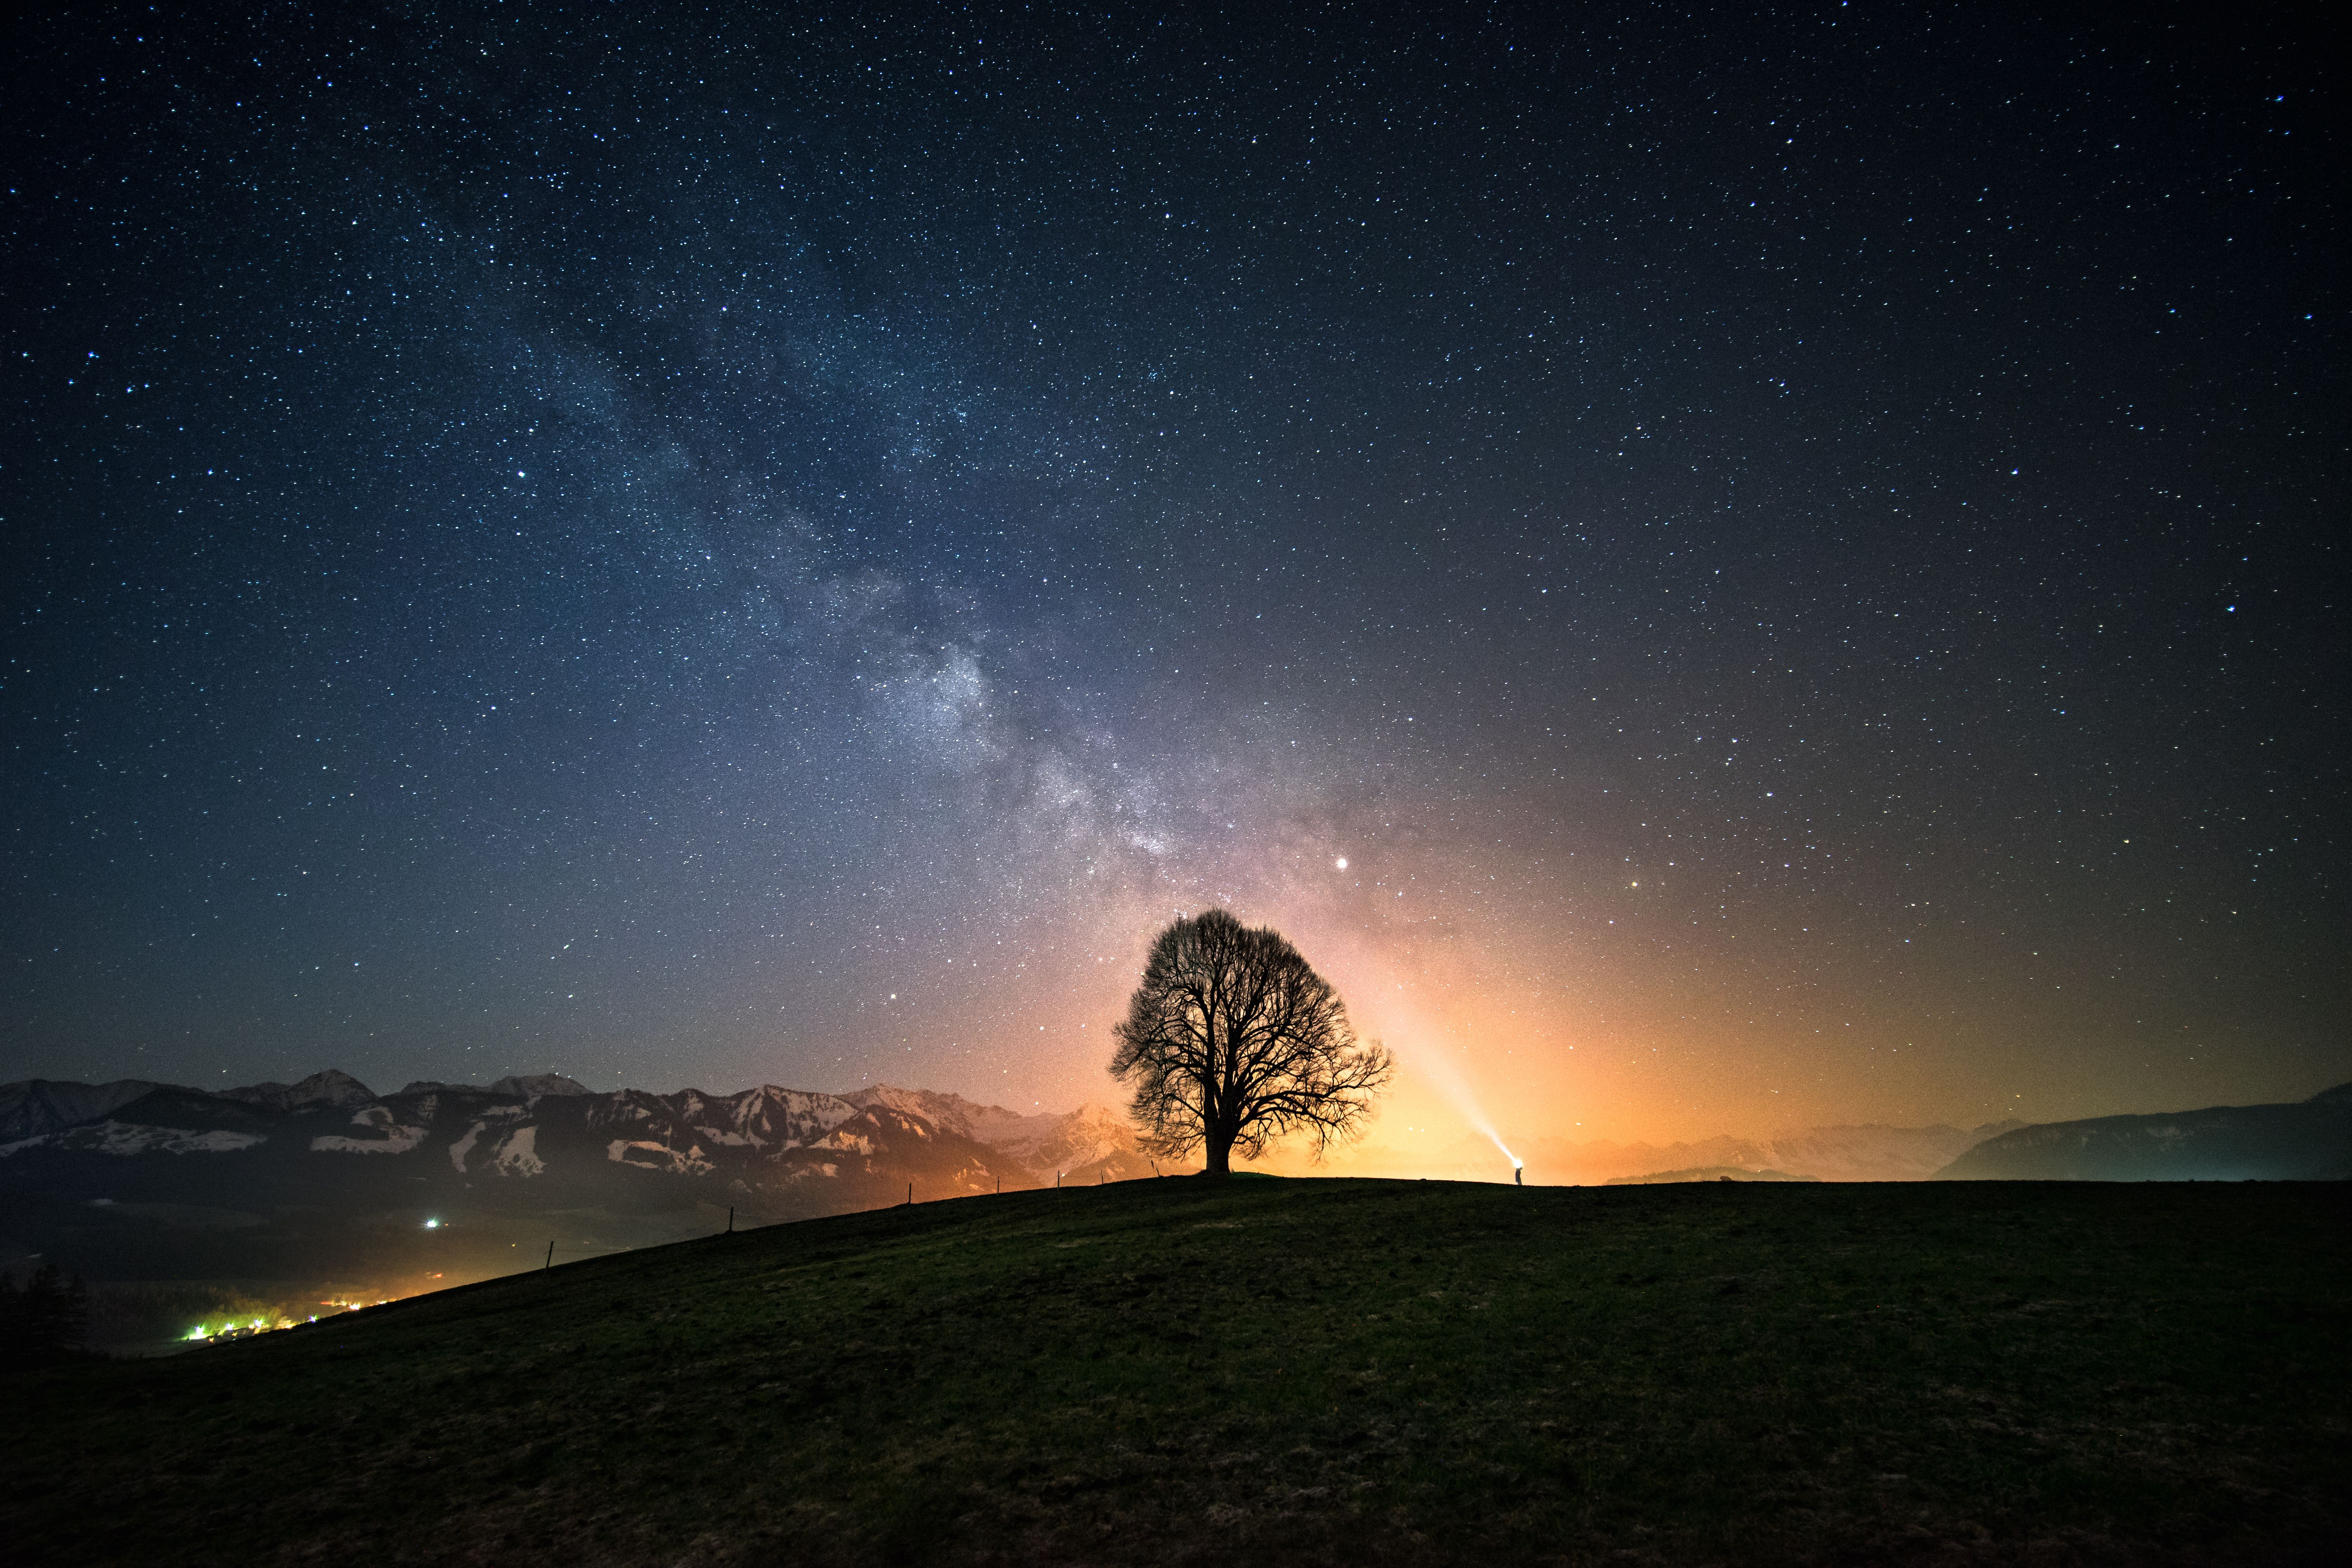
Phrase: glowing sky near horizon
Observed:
(1715, 574)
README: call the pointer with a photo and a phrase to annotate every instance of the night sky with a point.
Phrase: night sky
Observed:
(1795, 557)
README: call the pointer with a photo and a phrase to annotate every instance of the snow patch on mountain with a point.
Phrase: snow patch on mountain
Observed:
(518, 1154)
(848, 1141)
(1010, 1131)
(1089, 1134)
(463, 1148)
(763, 1118)
(391, 1136)
(124, 1140)
(646, 1156)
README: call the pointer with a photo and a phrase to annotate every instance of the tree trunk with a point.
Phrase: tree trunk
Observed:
(1218, 1148)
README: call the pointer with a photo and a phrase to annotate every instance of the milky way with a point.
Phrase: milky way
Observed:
(1791, 559)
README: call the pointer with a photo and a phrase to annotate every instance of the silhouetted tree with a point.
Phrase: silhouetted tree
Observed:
(1233, 1040)
(44, 1319)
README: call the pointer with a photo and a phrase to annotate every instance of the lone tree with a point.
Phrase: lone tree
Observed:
(1232, 1041)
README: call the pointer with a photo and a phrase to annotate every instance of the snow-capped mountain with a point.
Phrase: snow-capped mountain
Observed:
(81, 1163)
(992, 1124)
(1092, 1143)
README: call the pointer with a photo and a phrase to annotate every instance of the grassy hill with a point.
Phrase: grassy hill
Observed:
(1281, 1371)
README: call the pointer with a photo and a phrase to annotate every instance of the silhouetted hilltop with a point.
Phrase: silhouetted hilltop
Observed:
(2309, 1141)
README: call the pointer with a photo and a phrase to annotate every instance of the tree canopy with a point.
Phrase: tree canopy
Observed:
(1232, 1041)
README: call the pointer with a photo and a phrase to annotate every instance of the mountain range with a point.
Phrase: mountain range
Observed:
(1867, 1153)
(326, 1179)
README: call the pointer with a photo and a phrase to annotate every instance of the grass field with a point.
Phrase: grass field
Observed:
(1281, 1372)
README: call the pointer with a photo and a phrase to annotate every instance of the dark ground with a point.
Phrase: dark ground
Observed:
(1284, 1371)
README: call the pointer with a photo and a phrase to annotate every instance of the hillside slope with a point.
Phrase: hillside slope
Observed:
(2310, 1140)
(1356, 1372)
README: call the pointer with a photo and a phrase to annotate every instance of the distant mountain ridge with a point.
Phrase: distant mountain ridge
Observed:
(1707, 1173)
(135, 1179)
(2307, 1140)
(1868, 1153)
(689, 1131)
(103, 1171)
(36, 1106)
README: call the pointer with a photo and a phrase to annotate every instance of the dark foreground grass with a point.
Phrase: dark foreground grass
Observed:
(1282, 1372)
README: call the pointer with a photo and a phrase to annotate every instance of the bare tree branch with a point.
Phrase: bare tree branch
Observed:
(1232, 1041)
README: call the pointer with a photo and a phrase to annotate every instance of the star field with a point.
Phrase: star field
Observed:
(1712, 571)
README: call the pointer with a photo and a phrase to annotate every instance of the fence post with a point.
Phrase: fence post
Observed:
(730, 1219)
(551, 1257)
(910, 1195)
